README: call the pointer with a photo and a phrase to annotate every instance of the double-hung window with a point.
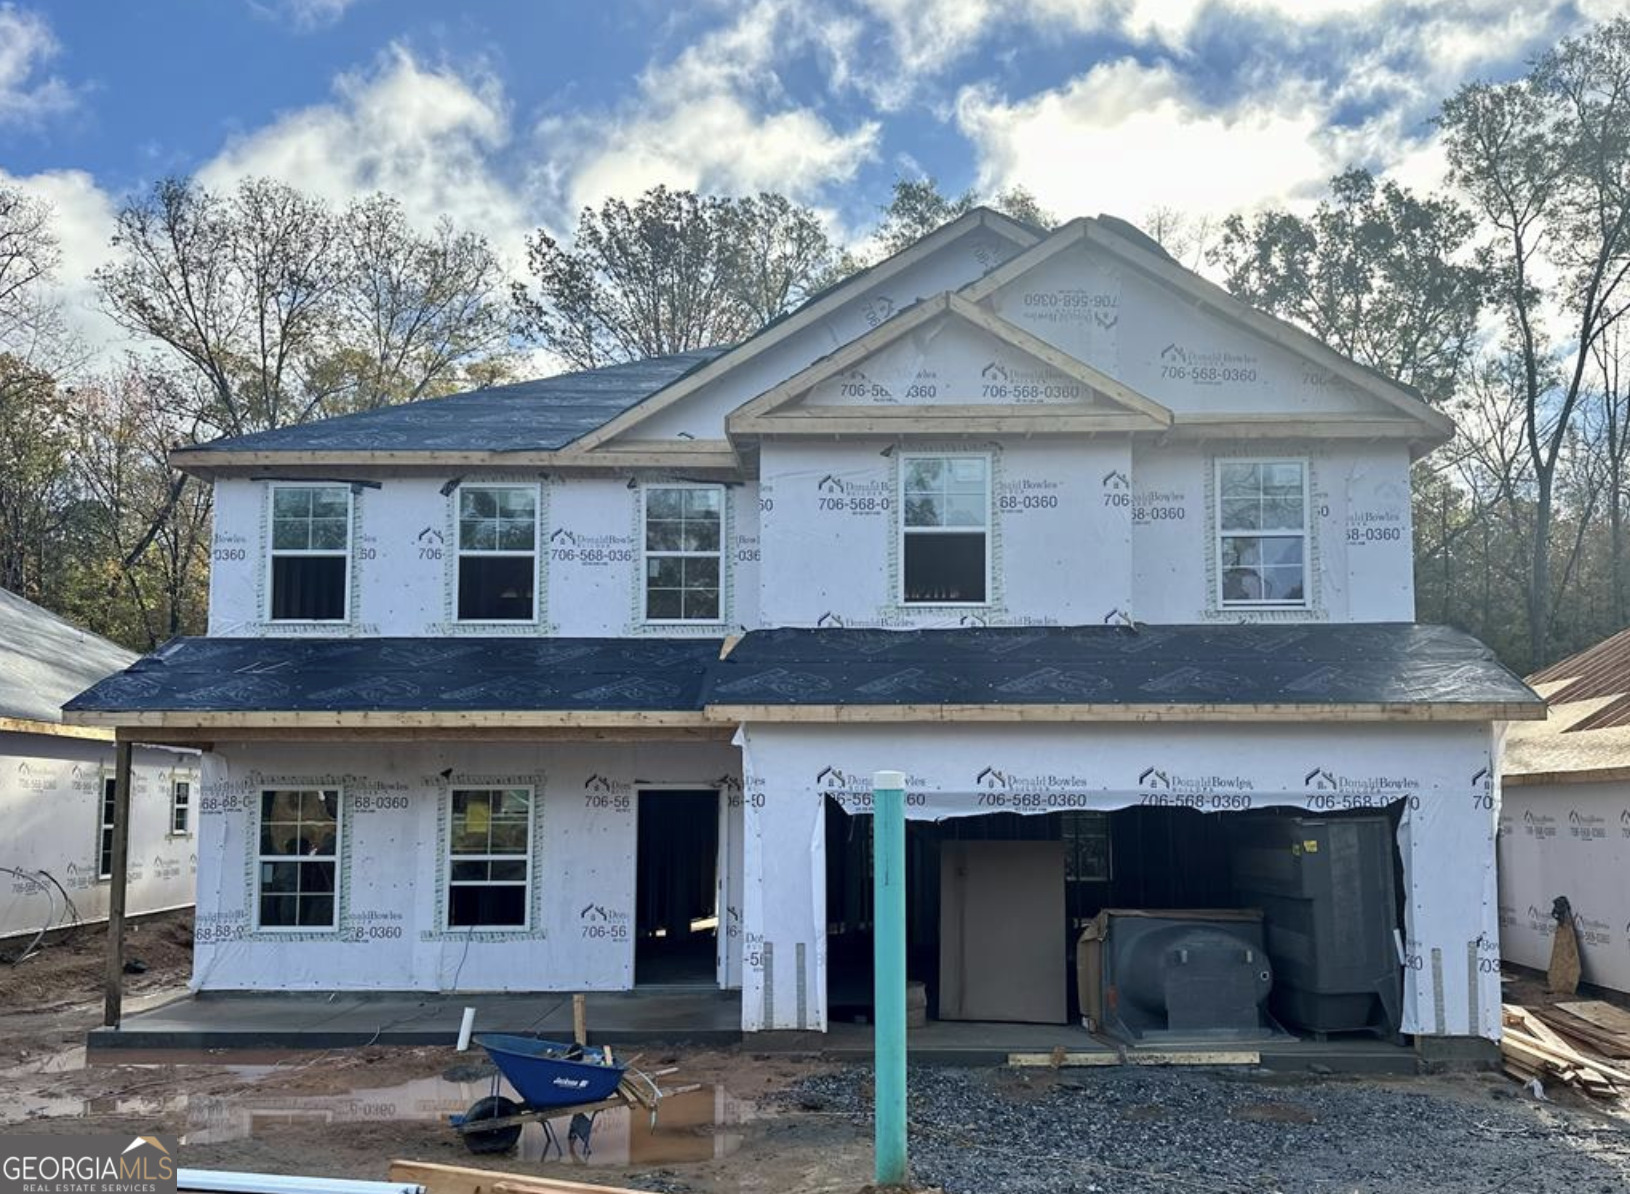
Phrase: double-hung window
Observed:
(684, 553)
(180, 807)
(311, 553)
(1262, 533)
(104, 838)
(297, 871)
(489, 864)
(945, 530)
(497, 553)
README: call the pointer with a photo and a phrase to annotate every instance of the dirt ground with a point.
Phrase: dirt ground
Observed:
(759, 1123)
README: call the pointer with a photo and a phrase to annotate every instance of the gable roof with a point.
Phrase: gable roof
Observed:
(45, 661)
(1586, 736)
(759, 414)
(530, 416)
(817, 307)
(1111, 235)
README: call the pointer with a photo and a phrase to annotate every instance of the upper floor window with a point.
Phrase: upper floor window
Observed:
(311, 553)
(1262, 532)
(945, 532)
(497, 553)
(684, 553)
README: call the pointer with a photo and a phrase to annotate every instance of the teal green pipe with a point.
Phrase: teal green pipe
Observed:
(889, 1008)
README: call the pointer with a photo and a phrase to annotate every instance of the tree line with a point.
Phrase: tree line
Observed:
(1501, 300)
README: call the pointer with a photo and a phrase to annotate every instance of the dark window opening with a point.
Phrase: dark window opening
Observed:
(104, 854)
(308, 588)
(496, 588)
(945, 567)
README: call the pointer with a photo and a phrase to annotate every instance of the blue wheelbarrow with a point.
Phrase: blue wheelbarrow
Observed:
(553, 1079)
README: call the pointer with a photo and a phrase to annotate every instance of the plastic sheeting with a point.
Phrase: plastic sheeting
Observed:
(1441, 773)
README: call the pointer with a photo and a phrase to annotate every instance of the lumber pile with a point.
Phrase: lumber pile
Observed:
(457, 1179)
(1592, 1024)
(1531, 1049)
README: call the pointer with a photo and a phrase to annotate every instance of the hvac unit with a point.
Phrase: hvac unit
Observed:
(1327, 888)
(1176, 975)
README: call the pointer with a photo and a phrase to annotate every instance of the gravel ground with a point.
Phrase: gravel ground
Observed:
(1143, 1131)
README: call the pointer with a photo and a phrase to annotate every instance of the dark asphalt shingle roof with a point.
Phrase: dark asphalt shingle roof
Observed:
(1373, 663)
(1155, 665)
(541, 415)
(410, 674)
(45, 660)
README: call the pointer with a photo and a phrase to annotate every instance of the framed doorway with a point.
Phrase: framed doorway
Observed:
(676, 888)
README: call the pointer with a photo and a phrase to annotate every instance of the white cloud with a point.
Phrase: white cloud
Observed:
(714, 118)
(1125, 138)
(27, 94)
(429, 135)
(305, 15)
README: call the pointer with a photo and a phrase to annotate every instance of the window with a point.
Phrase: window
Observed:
(180, 807)
(497, 553)
(489, 857)
(945, 534)
(299, 859)
(110, 805)
(1262, 529)
(311, 553)
(684, 545)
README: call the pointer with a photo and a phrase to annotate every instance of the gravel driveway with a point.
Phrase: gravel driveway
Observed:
(1149, 1131)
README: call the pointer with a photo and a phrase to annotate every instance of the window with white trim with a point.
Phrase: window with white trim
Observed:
(1262, 533)
(180, 807)
(684, 553)
(104, 839)
(497, 553)
(945, 530)
(311, 553)
(489, 858)
(298, 859)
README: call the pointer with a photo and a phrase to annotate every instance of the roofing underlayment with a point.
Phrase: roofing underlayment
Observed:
(530, 416)
(45, 660)
(402, 674)
(1154, 665)
(1588, 729)
(1375, 663)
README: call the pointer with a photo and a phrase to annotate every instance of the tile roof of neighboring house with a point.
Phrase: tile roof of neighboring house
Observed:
(541, 415)
(1587, 734)
(44, 660)
(1365, 664)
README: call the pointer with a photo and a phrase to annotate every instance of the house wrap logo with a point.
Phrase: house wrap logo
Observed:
(1539, 921)
(1164, 787)
(87, 1164)
(1586, 827)
(1115, 481)
(1624, 822)
(1538, 824)
(994, 371)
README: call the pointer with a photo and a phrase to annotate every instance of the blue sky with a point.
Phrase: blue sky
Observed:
(510, 115)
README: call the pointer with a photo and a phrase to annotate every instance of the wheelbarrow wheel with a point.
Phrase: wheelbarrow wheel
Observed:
(493, 1140)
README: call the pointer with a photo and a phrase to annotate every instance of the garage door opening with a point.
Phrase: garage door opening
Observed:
(1034, 883)
(676, 920)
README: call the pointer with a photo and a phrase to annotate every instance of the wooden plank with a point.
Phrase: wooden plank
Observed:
(385, 719)
(1057, 1060)
(113, 993)
(461, 1179)
(710, 456)
(1612, 1020)
(58, 729)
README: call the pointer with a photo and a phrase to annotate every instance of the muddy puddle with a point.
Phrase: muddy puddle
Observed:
(696, 1125)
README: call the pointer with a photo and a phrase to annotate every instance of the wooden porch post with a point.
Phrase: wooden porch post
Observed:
(114, 994)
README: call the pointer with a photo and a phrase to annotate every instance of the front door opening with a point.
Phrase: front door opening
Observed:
(676, 924)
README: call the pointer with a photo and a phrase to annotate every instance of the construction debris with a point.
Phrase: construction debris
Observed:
(457, 1179)
(1534, 1050)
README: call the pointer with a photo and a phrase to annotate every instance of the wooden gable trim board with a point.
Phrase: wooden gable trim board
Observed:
(1585, 775)
(1148, 414)
(1399, 711)
(27, 725)
(709, 454)
(359, 719)
(942, 420)
(1213, 297)
(981, 217)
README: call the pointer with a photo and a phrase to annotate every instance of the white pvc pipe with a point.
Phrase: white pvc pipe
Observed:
(464, 1030)
(221, 1181)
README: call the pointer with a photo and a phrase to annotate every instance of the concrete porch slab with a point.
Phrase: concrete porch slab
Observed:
(279, 1020)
